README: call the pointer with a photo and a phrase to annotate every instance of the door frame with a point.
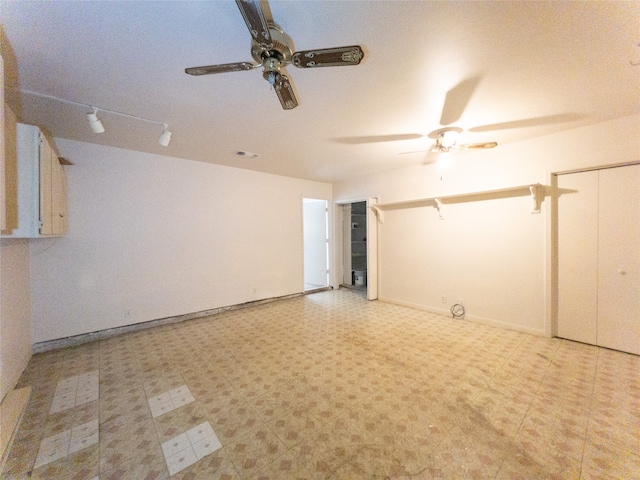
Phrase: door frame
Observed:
(373, 277)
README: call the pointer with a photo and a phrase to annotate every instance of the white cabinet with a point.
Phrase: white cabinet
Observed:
(599, 258)
(40, 188)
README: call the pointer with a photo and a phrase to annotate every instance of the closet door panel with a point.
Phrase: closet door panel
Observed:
(619, 259)
(46, 190)
(577, 256)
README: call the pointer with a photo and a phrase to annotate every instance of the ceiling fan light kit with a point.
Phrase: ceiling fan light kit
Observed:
(272, 49)
(447, 140)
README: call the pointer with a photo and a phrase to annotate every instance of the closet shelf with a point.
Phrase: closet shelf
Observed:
(537, 192)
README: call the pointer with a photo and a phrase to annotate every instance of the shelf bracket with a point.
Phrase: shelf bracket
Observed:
(440, 207)
(379, 213)
(537, 195)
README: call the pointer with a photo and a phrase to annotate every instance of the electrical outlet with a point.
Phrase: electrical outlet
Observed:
(443, 299)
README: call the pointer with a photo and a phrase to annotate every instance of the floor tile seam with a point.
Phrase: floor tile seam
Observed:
(286, 449)
(101, 447)
(586, 432)
(512, 442)
(507, 358)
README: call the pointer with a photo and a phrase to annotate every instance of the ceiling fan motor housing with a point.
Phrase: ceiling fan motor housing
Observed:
(282, 47)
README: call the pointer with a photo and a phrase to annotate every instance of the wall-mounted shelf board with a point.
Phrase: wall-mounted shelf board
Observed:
(537, 192)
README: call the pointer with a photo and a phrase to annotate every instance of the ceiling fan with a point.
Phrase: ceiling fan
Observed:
(446, 137)
(456, 100)
(272, 49)
(447, 140)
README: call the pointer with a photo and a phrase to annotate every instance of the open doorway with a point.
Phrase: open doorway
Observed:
(316, 243)
(359, 247)
(355, 236)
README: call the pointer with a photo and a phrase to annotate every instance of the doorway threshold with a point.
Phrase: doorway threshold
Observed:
(316, 289)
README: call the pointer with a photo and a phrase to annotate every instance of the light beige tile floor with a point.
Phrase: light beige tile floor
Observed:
(331, 386)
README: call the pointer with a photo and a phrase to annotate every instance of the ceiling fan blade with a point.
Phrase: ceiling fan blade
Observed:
(476, 145)
(256, 21)
(431, 157)
(285, 93)
(530, 122)
(222, 68)
(378, 138)
(328, 57)
(414, 151)
(457, 99)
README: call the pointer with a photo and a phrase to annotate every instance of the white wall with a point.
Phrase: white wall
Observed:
(152, 236)
(493, 254)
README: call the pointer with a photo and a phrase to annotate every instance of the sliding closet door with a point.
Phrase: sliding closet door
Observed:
(578, 256)
(619, 259)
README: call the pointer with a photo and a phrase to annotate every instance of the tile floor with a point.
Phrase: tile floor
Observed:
(330, 386)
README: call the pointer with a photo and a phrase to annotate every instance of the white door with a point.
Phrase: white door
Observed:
(599, 257)
(619, 259)
(578, 256)
(316, 243)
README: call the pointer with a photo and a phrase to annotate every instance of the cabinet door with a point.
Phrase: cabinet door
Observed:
(619, 259)
(59, 195)
(46, 191)
(578, 256)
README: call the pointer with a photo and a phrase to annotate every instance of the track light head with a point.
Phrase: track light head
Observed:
(165, 137)
(94, 122)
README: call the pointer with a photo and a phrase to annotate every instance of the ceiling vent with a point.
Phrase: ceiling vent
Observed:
(243, 153)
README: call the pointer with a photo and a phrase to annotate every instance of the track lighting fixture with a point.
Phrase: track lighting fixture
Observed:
(94, 122)
(165, 137)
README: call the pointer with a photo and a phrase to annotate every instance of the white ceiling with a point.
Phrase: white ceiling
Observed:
(542, 67)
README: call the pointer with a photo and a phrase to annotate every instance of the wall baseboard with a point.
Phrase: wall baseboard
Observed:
(471, 318)
(76, 340)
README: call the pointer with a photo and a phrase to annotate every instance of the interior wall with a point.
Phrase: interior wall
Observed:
(15, 310)
(493, 255)
(152, 237)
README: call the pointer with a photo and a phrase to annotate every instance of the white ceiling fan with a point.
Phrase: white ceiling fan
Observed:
(272, 49)
(447, 138)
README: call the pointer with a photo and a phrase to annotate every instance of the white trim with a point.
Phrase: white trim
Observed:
(338, 231)
(471, 318)
(601, 167)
